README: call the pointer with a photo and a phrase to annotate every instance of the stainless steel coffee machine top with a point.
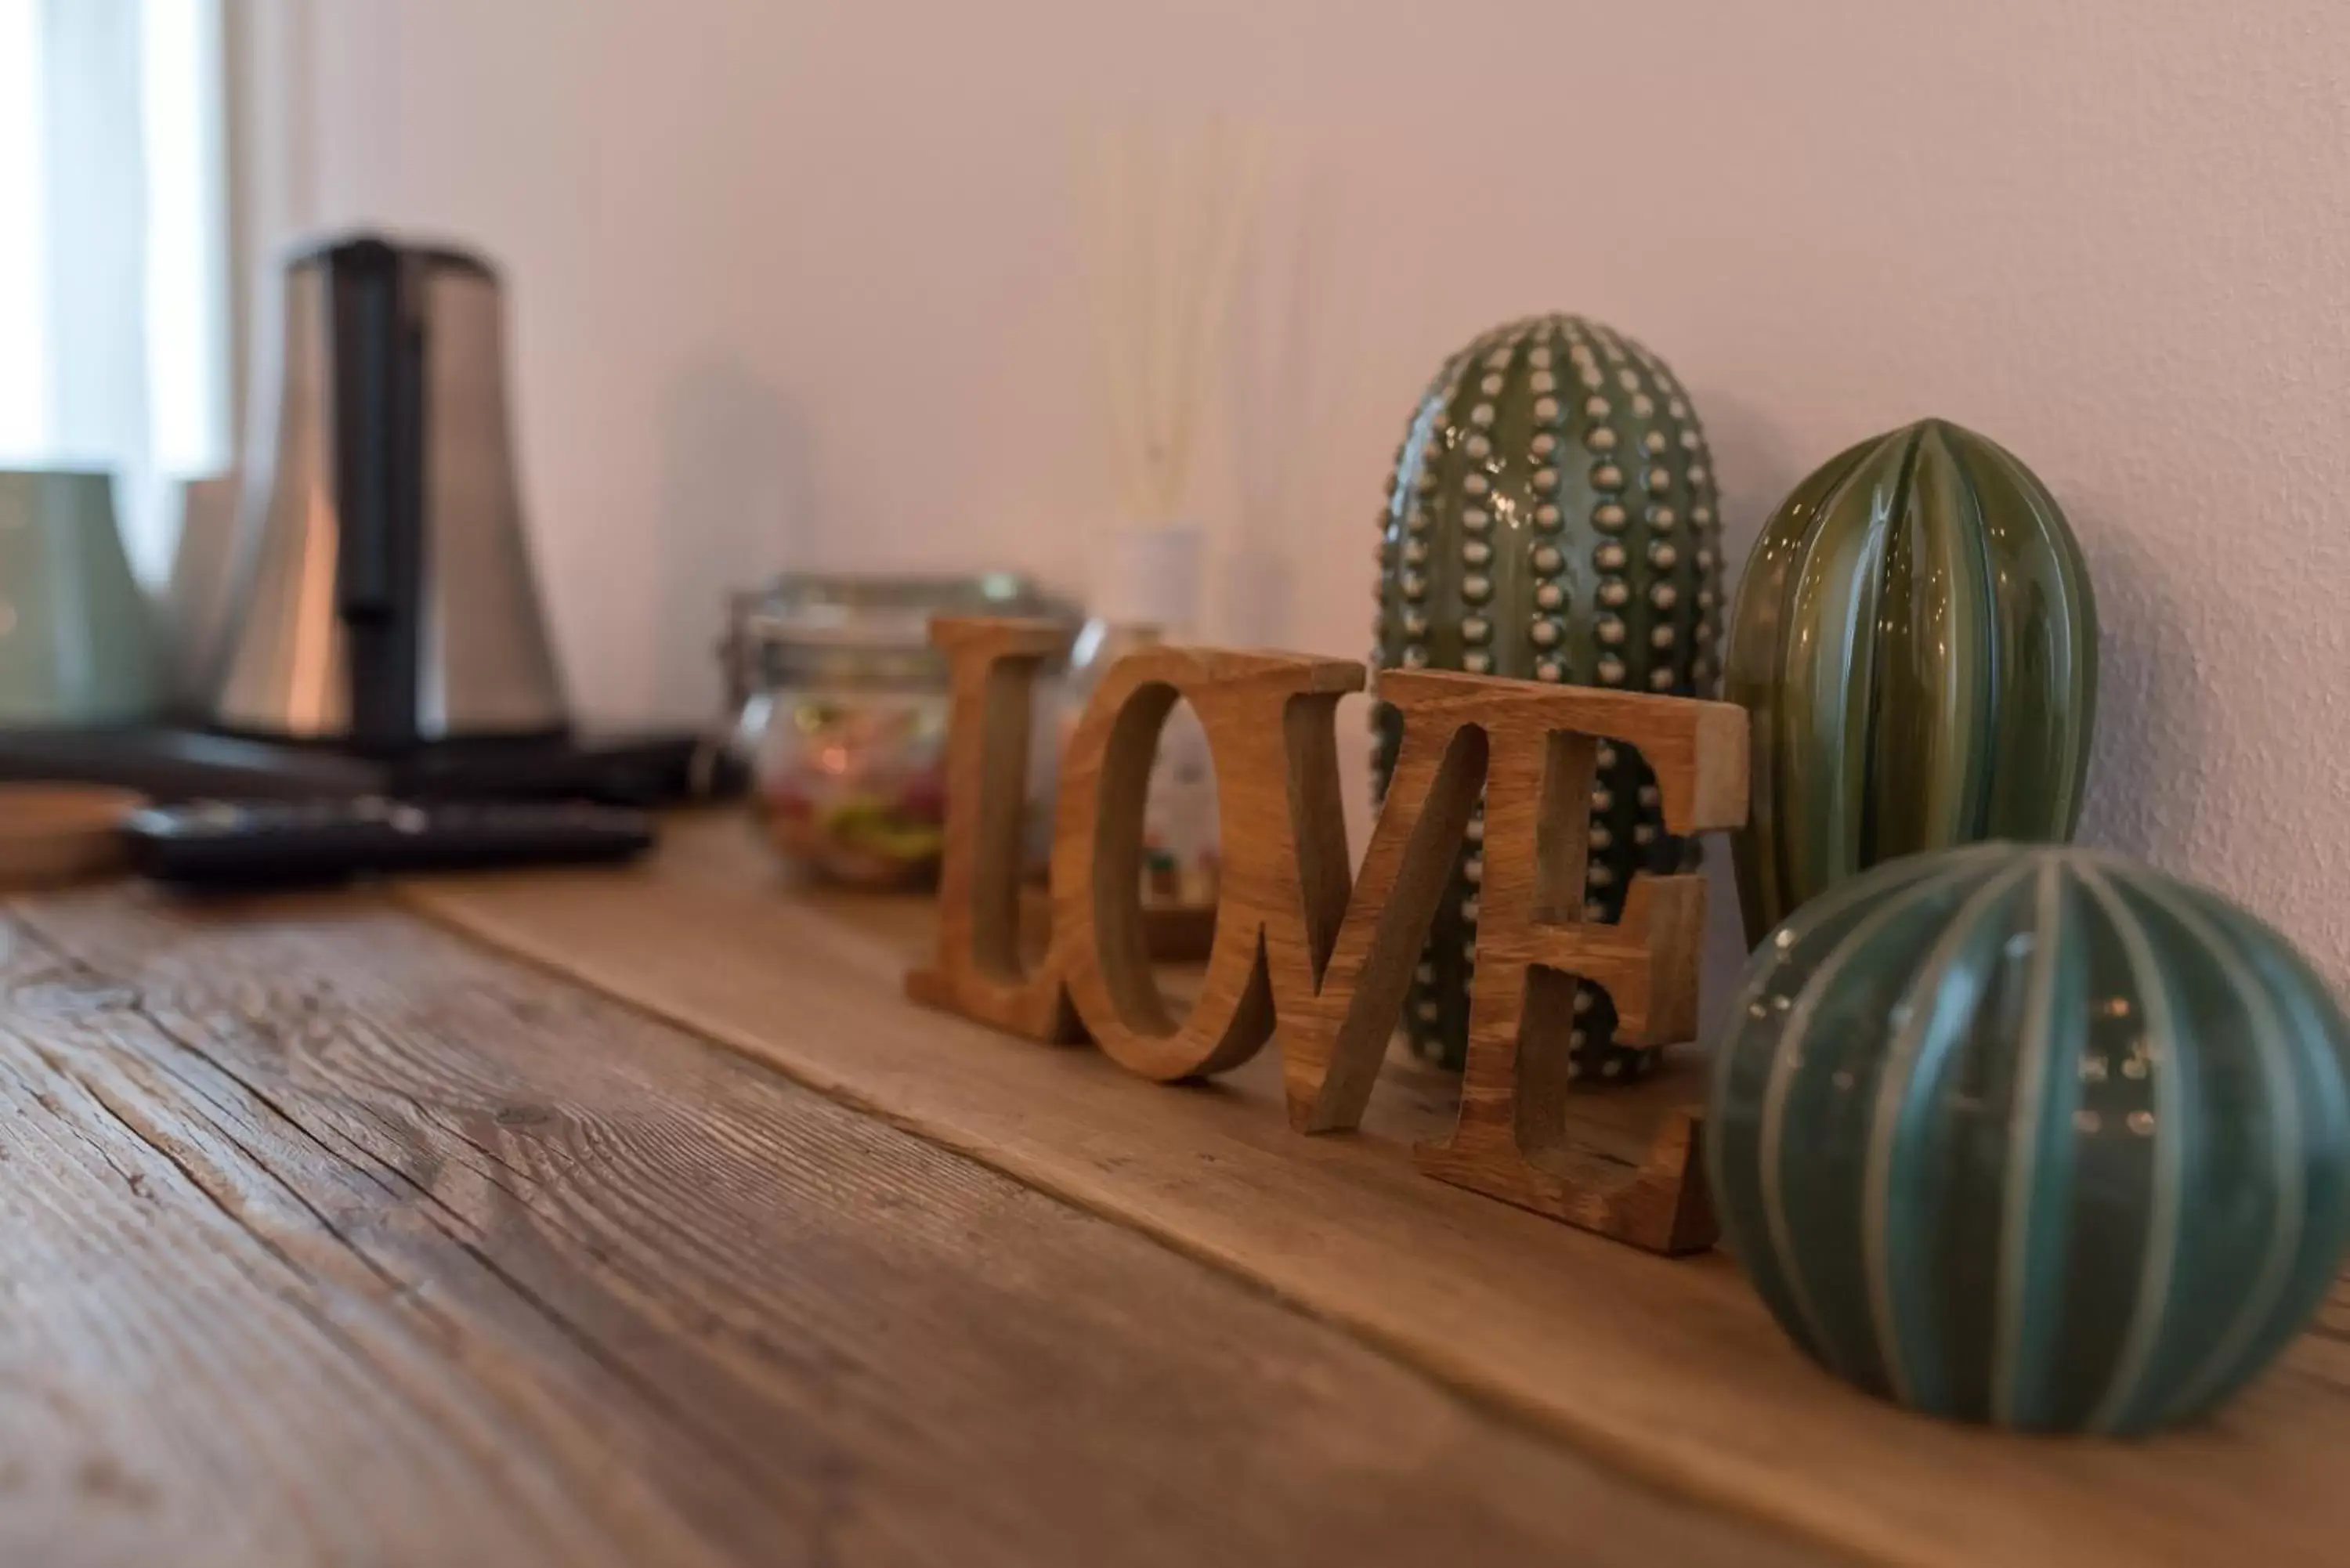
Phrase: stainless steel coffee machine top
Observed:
(385, 597)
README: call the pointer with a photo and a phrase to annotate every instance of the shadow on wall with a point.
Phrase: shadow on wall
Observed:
(1755, 465)
(2153, 753)
(738, 505)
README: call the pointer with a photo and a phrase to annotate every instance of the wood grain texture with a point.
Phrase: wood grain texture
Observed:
(1301, 944)
(977, 966)
(326, 1237)
(1515, 1139)
(1673, 1370)
(1258, 712)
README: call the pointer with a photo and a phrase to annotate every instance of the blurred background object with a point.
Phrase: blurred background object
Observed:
(76, 645)
(216, 846)
(381, 592)
(1162, 218)
(196, 599)
(53, 833)
(1146, 590)
(1163, 214)
(838, 715)
(370, 625)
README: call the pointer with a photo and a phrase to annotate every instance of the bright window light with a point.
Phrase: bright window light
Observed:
(24, 237)
(187, 349)
(114, 293)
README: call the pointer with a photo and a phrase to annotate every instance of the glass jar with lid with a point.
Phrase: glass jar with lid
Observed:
(841, 710)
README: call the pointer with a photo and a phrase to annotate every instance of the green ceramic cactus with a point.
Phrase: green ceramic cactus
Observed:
(1551, 517)
(1916, 641)
(2033, 1136)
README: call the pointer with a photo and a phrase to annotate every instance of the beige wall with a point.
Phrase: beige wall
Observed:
(797, 285)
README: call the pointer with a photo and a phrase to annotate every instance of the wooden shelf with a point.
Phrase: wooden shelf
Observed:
(1668, 1369)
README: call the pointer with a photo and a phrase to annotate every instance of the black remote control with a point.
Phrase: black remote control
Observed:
(273, 843)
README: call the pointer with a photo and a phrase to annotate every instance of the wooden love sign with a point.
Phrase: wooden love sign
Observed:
(1325, 956)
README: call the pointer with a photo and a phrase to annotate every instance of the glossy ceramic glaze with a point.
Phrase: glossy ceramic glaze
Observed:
(1916, 640)
(2033, 1136)
(1551, 517)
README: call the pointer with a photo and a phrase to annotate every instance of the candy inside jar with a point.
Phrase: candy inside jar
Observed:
(856, 791)
(842, 708)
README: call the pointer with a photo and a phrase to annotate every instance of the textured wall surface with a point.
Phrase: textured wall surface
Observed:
(797, 284)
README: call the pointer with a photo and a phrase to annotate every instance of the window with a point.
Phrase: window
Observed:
(114, 294)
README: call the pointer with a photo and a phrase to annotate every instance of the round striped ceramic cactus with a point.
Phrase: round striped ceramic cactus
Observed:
(1551, 517)
(2033, 1136)
(1916, 641)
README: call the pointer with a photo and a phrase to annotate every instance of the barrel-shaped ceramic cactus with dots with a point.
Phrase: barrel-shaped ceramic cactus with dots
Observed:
(1551, 517)
(2033, 1136)
(1916, 641)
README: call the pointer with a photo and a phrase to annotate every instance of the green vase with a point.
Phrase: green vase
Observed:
(78, 642)
(2033, 1136)
(1551, 517)
(1916, 641)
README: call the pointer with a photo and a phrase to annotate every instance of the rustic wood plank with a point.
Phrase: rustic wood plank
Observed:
(328, 1238)
(1672, 1369)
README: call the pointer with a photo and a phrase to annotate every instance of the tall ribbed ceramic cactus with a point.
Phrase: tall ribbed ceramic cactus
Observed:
(1551, 517)
(1916, 639)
